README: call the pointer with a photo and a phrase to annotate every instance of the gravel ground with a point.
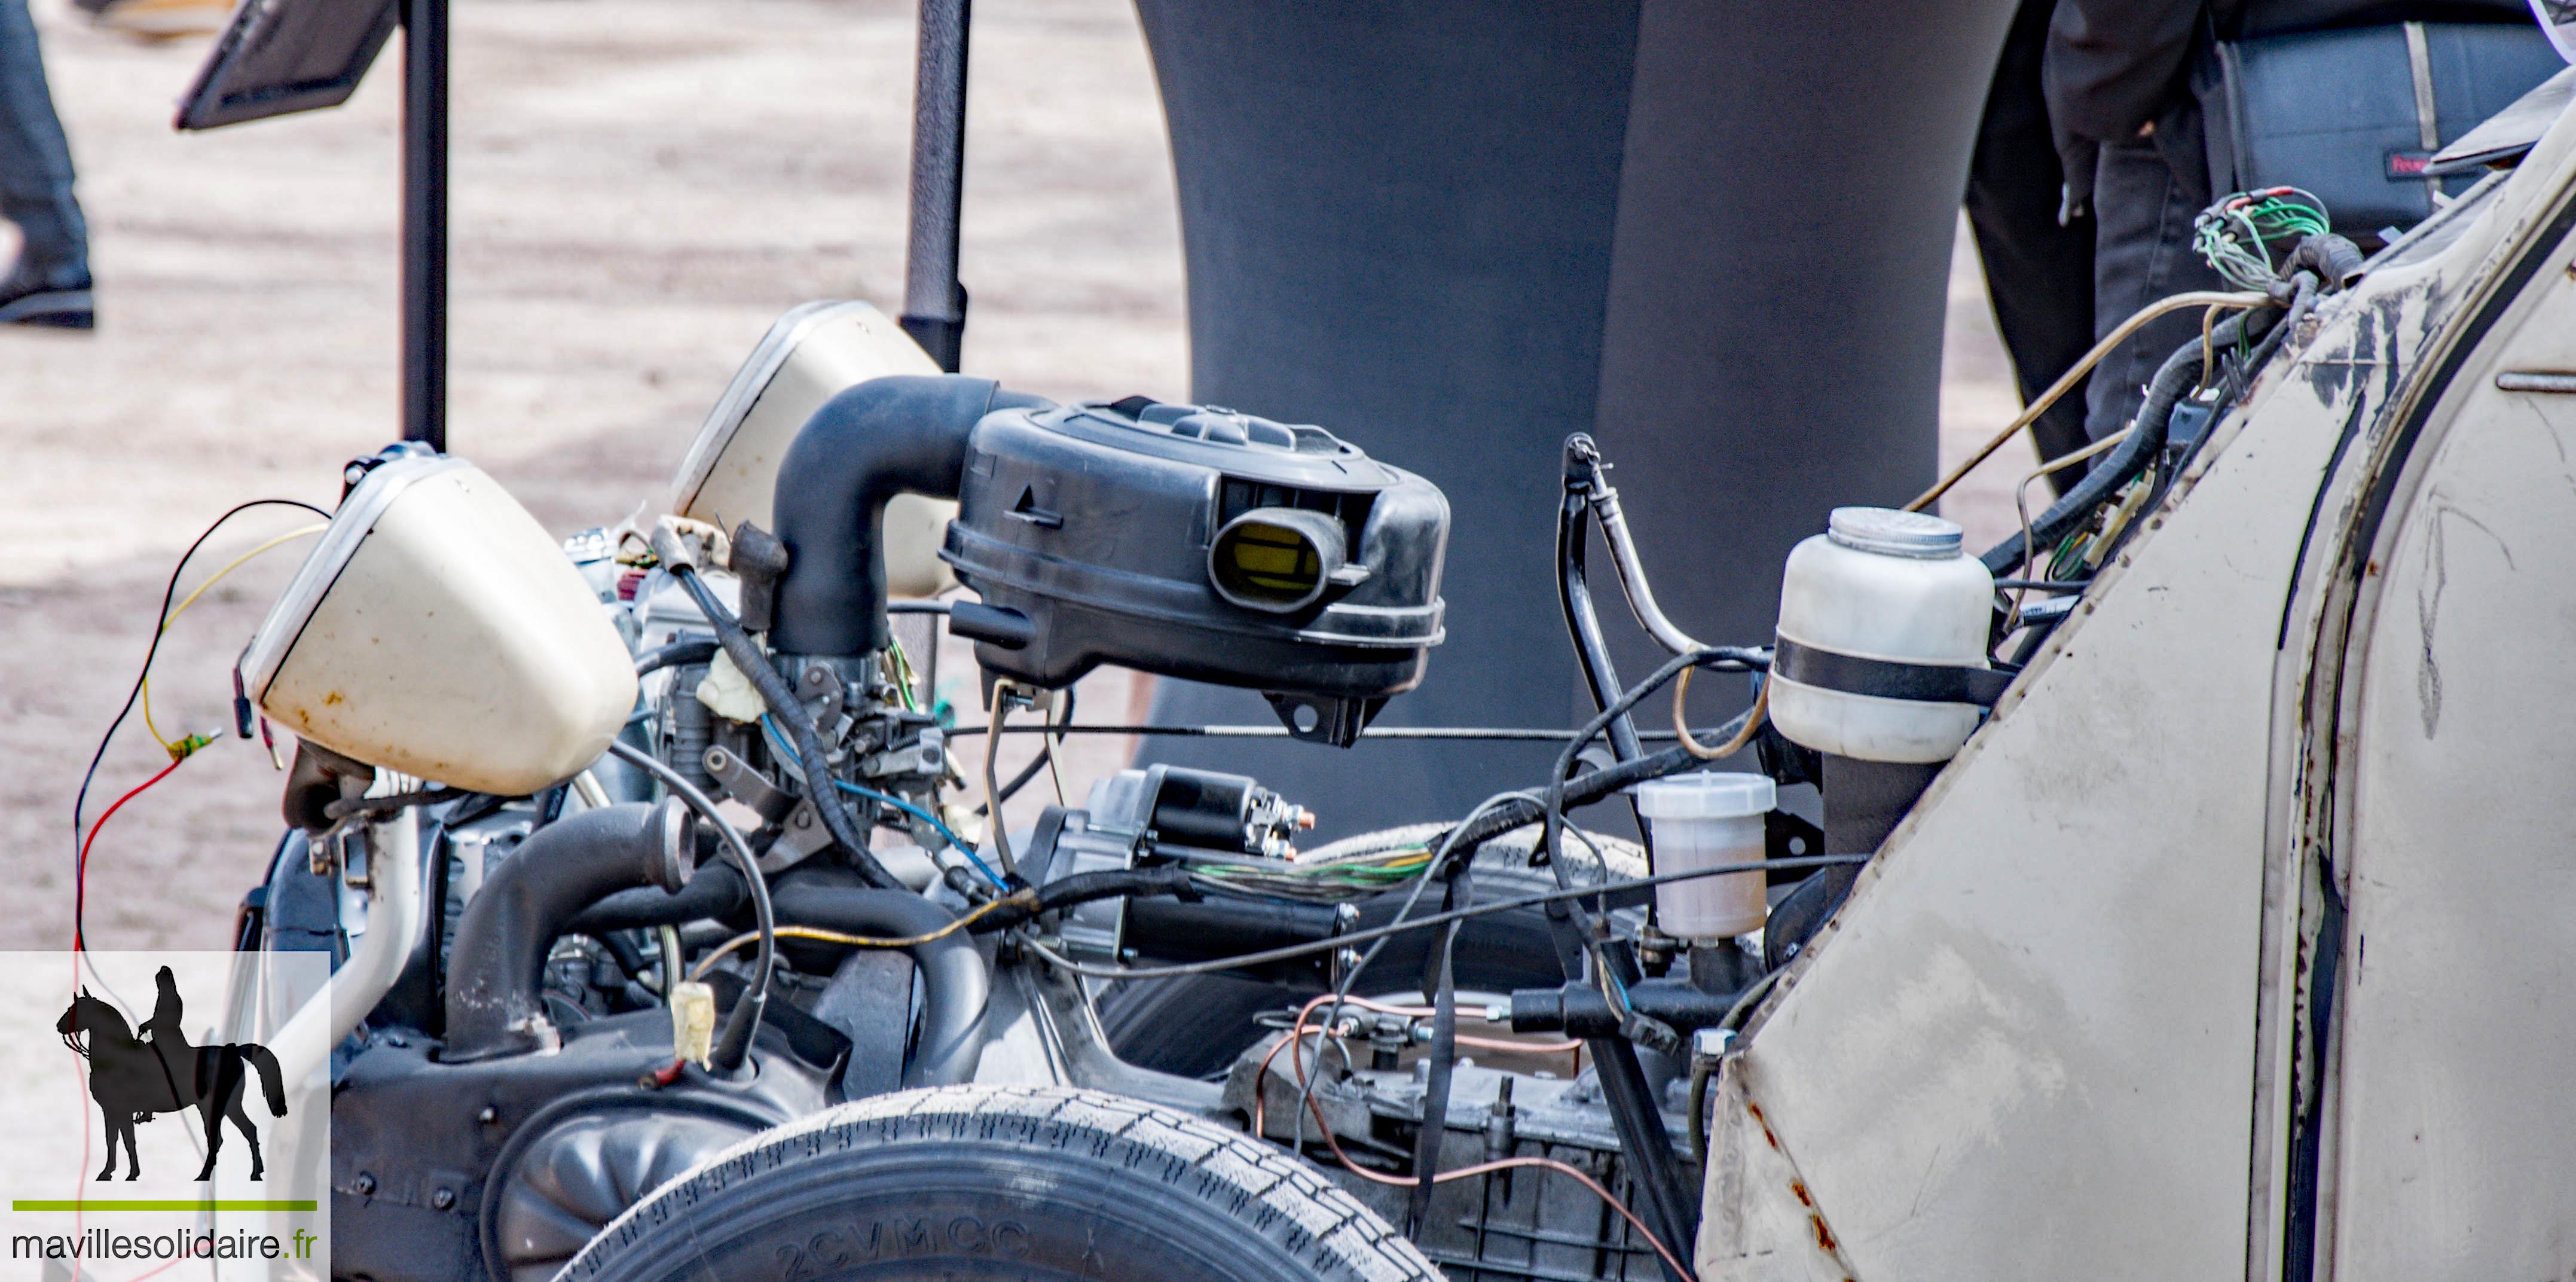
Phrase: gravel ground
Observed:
(640, 186)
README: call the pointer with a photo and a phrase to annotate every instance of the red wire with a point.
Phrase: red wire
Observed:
(80, 872)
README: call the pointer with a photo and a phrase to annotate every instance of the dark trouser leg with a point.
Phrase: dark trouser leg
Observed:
(2039, 274)
(2142, 252)
(35, 158)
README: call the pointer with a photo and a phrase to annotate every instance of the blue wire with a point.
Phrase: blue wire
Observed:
(963, 848)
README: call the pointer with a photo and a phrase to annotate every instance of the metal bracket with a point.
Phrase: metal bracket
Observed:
(800, 836)
(748, 786)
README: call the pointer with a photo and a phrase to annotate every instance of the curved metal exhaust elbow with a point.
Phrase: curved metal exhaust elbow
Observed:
(887, 436)
(955, 986)
(494, 1002)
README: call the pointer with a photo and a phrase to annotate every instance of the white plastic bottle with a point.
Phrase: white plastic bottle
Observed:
(1895, 587)
(1708, 821)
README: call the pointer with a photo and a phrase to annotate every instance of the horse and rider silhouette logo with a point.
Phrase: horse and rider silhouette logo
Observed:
(133, 1078)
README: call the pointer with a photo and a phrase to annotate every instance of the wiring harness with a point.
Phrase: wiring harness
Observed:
(2238, 232)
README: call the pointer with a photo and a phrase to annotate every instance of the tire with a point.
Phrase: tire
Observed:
(1195, 1026)
(1036, 1183)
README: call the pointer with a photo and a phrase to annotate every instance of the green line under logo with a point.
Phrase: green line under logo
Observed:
(180, 1204)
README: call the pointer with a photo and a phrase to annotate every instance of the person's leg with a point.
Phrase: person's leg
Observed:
(50, 281)
(2142, 252)
(2039, 272)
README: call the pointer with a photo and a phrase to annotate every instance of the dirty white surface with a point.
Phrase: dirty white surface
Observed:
(640, 187)
(2035, 1044)
(2450, 1100)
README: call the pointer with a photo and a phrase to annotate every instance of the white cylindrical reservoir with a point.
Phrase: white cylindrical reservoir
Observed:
(1890, 586)
(438, 630)
(1707, 821)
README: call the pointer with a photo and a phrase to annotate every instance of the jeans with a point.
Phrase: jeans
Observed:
(2039, 272)
(35, 158)
(2141, 252)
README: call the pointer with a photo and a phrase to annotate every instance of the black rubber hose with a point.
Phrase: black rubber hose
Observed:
(955, 985)
(1131, 883)
(715, 893)
(884, 437)
(494, 1002)
(1574, 589)
(1582, 790)
(678, 654)
(811, 759)
(2173, 380)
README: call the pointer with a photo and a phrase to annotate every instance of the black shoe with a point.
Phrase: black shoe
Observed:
(29, 298)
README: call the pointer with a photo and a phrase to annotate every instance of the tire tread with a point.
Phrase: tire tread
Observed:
(1256, 1184)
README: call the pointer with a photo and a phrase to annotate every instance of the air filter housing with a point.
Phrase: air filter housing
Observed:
(1197, 542)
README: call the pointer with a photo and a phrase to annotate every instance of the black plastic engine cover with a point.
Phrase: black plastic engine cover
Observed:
(1199, 543)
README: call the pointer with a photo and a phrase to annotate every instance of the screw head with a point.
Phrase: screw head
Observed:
(366, 1184)
(488, 1116)
(443, 1199)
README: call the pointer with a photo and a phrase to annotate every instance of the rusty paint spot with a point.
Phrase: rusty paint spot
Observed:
(2370, 570)
(1763, 1122)
(1824, 1236)
(333, 700)
(1799, 1187)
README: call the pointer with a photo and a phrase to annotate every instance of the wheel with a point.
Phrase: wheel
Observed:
(570, 1179)
(1196, 1025)
(1035, 1183)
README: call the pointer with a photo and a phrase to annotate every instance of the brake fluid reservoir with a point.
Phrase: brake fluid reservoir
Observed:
(1708, 820)
(1882, 640)
(438, 630)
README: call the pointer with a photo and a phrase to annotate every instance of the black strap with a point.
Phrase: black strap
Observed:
(1887, 679)
(1440, 979)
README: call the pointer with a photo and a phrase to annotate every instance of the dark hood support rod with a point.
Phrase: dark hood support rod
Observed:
(934, 304)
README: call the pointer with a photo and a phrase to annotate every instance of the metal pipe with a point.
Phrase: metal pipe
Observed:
(1574, 591)
(1670, 1206)
(396, 912)
(424, 223)
(1632, 575)
(934, 304)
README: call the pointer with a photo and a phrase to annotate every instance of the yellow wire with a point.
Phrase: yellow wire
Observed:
(191, 599)
(1017, 899)
(1690, 742)
(2031, 412)
(2021, 504)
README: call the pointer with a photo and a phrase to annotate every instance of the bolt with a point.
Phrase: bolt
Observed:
(366, 1184)
(488, 1116)
(443, 1199)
